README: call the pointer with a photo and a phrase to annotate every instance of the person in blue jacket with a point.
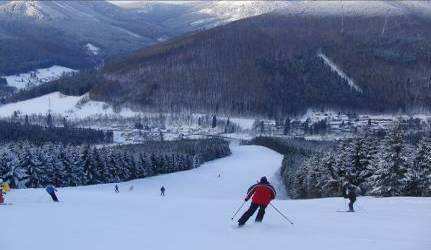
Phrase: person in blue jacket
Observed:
(50, 189)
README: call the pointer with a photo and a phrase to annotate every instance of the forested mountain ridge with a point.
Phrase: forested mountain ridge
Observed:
(270, 65)
(44, 33)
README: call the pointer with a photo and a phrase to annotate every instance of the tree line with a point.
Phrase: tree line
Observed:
(26, 165)
(36, 134)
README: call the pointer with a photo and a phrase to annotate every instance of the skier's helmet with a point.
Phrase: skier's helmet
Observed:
(263, 180)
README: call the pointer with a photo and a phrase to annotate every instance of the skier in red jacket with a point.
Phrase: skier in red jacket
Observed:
(261, 195)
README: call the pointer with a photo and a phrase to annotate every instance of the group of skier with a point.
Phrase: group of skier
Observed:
(261, 195)
(117, 189)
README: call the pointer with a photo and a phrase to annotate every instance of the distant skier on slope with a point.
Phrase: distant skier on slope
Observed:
(50, 189)
(117, 190)
(349, 192)
(261, 193)
(1, 195)
(162, 191)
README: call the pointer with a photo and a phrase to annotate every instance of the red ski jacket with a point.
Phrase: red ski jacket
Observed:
(262, 193)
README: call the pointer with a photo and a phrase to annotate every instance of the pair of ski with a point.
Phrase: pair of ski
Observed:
(6, 204)
(345, 211)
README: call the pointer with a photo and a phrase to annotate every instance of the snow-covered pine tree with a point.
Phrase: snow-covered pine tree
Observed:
(113, 163)
(35, 170)
(98, 167)
(328, 180)
(420, 173)
(308, 175)
(54, 165)
(362, 153)
(84, 163)
(342, 161)
(72, 170)
(15, 175)
(124, 166)
(390, 178)
(142, 166)
(368, 158)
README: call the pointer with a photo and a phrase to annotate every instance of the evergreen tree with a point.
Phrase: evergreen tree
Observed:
(420, 174)
(35, 171)
(390, 178)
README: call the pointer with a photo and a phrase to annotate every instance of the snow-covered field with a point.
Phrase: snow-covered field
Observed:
(36, 77)
(57, 103)
(196, 213)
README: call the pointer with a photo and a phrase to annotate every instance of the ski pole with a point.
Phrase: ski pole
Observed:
(237, 211)
(360, 207)
(284, 216)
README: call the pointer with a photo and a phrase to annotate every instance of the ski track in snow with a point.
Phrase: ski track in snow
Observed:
(340, 72)
(196, 214)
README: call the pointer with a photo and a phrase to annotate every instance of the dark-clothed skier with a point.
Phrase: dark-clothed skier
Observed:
(349, 192)
(162, 191)
(117, 190)
(261, 195)
(1, 195)
(51, 191)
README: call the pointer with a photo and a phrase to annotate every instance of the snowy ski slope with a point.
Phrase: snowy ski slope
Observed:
(196, 213)
(57, 103)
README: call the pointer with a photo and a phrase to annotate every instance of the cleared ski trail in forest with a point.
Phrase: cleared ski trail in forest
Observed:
(196, 214)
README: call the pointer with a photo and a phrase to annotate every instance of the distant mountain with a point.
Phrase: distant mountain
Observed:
(44, 33)
(194, 15)
(373, 56)
(37, 34)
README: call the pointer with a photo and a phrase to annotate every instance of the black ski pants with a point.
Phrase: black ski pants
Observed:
(351, 201)
(54, 196)
(251, 210)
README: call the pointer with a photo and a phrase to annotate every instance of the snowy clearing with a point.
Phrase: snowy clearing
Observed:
(57, 103)
(36, 77)
(196, 213)
(340, 72)
(92, 50)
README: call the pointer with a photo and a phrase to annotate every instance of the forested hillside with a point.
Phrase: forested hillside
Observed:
(273, 64)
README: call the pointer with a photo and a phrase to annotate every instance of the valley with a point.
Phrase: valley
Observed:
(142, 124)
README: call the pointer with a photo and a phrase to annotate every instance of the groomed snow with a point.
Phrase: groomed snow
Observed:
(196, 213)
(57, 103)
(36, 77)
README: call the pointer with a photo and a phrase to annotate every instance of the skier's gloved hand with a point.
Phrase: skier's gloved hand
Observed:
(246, 199)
